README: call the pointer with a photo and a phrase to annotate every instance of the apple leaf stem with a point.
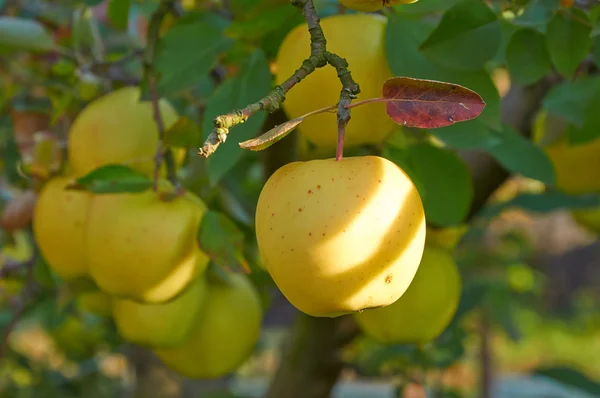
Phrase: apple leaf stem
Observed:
(163, 153)
(319, 57)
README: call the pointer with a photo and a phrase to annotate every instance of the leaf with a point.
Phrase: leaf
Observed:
(272, 136)
(442, 179)
(468, 25)
(537, 13)
(469, 135)
(519, 155)
(253, 82)
(589, 130)
(184, 133)
(24, 34)
(527, 57)
(118, 13)
(570, 100)
(112, 178)
(546, 202)
(222, 241)
(425, 7)
(568, 40)
(263, 23)
(429, 104)
(403, 37)
(570, 377)
(279, 132)
(189, 50)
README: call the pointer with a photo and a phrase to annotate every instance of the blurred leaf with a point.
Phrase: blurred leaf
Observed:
(519, 155)
(6, 317)
(546, 202)
(527, 57)
(429, 104)
(222, 241)
(118, 13)
(468, 135)
(24, 34)
(449, 347)
(92, 3)
(263, 23)
(442, 179)
(571, 100)
(468, 25)
(570, 377)
(568, 40)
(537, 13)
(589, 130)
(189, 50)
(250, 85)
(185, 133)
(425, 7)
(403, 37)
(112, 178)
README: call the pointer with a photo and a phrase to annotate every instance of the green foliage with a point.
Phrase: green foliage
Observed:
(527, 57)
(23, 34)
(568, 40)
(442, 179)
(113, 178)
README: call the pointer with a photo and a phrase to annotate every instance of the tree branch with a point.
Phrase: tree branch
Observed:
(319, 57)
(312, 363)
(153, 37)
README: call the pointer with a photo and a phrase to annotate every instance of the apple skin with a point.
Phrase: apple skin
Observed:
(425, 309)
(340, 236)
(161, 325)
(224, 335)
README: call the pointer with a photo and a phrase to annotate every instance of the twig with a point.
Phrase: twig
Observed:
(153, 36)
(319, 57)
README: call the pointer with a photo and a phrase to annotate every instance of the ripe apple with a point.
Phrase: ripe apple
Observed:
(225, 333)
(340, 236)
(59, 223)
(424, 310)
(143, 248)
(161, 325)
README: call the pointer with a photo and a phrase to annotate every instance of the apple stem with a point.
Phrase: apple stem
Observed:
(339, 153)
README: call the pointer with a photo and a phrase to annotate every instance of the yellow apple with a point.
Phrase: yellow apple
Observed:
(59, 223)
(117, 128)
(224, 335)
(143, 248)
(160, 325)
(424, 310)
(372, 5)
(360, 39)
(340, 236)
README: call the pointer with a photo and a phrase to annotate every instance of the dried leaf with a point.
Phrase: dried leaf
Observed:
(272, 136)
(428, 103)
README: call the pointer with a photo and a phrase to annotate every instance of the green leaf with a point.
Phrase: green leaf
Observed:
(118, 13)
(189, 50)
(221, 239)
(546, 202)
(112, 178)
(526, 56)
(570, 377)
(468, 135)
(468, 25)
(403, 37)
(265, 22)
(250, 85)
(519, 155)
(571, 100)
(425, 7)
(596, 50)
(442, 179)
(24, 34)
(537, 13)
(589, 130)
(185, 133)
(568, 40)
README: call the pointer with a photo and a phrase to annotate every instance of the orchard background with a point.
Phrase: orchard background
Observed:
(511, 189)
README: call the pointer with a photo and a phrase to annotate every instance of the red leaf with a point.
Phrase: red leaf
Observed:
(429, 103)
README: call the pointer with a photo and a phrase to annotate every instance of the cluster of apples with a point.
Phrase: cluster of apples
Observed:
(349, 236)
(140, 250)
